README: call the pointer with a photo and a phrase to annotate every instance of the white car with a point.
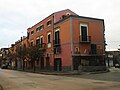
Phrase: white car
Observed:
(117, 66)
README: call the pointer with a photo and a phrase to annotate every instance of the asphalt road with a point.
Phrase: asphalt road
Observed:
(16, 80)
(109, 76)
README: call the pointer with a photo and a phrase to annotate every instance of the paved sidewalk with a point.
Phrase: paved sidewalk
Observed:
(113, 69)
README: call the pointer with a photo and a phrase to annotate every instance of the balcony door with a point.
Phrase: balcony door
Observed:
(93, 49)
(83, 33)
(57, 37)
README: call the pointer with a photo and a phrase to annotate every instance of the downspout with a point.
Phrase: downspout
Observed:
(103, 27)
(71, 38)
(53, 37)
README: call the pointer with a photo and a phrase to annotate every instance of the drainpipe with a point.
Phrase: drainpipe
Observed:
(53, 39)
(104, 47)
(71, 37)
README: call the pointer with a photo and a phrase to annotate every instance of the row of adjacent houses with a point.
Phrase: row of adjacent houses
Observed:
(66, 41)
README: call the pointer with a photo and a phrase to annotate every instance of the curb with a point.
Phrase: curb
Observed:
(66, 73)
(77, 73)
(61, 74)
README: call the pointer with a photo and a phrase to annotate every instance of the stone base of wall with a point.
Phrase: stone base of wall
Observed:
(66, 68)
(92, 68)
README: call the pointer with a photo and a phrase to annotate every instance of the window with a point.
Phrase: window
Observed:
(31, 43)
(41, 40)
(67, 13)
(38, 41)
(49, 37)
(41, 27)
(32, 32)
(49, 23)
(37, 29)
(28, 34)
(57, 37)
(84, 32)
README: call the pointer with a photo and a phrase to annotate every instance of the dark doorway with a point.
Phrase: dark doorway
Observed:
(76, 63)
(93, 49)
(57, 64)
(42, 62)
(47, 63)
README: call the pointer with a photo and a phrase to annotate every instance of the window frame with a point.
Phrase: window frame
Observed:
(83, 25)
(32, 32)
(41, 27)
(32, 43)
(50, 37)
(38, 38)
(49, 22)
(57, 30)
(41, 38)
(37, 29)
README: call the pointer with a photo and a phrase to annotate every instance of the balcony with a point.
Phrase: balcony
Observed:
(43, 46)
(57, 50)
(87, 52)
(56, 43)
(85, 39)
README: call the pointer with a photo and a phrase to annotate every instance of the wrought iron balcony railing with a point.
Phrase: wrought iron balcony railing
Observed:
(42, 46)
(56, 42)
(85, 39)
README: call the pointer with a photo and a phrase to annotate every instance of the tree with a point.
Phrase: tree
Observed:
(21, 52)
(12, 57)
(34, 54)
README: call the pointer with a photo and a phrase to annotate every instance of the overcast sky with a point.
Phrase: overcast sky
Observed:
(18, 15)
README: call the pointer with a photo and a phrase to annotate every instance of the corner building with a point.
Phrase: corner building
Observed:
(68, 40)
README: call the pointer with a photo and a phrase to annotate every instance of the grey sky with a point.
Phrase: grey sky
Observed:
(18, 15)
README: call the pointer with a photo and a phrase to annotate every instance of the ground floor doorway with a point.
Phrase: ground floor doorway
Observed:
(57, 64)
(41, 62)
(47, 63)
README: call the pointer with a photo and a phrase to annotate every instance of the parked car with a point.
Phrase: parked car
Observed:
(117, 66)
(4, 66)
